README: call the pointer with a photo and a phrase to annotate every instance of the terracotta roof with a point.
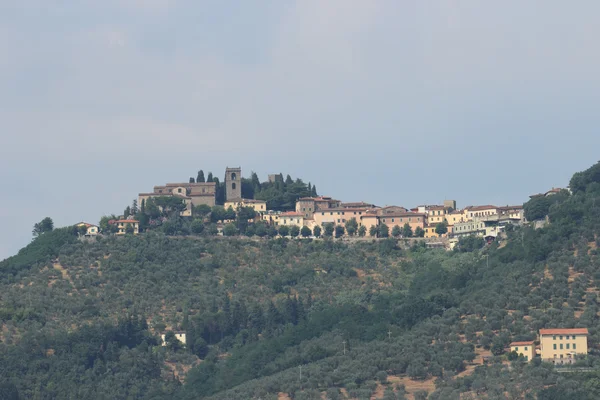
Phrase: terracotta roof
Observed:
(201, 194)
(522, 343)
(357, 204)
(127, 220)
(564, 331)
(291, 214)
(245, 201)
(341, 209)
(435, 207)
(184, 184)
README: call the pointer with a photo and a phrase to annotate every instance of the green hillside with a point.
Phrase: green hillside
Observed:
(278, 318)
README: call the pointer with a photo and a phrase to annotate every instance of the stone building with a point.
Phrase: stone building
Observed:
(233, 183)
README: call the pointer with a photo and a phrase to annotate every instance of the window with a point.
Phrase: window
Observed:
(160, 191)
(525, 348)
(554, 346)
(526, 358)
(554, 337)
(179, 190)
(567, 346)
(233, 186)
(560, 337)
(561, 346)
(567, 337)
(233, 176)
(392, 219)
(561, 356)
(573, 337)
(516, 349)
(574, 346)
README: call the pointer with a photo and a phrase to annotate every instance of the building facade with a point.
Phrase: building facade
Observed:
(233, 183)
(124, 224)
(259, 206)
(524, 349)
(560, 346)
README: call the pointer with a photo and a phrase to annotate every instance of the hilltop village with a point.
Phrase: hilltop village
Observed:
(227, 209)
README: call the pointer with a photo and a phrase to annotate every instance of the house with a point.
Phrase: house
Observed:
(559, 346)
(124, 224)
(271, 217)
(197, 193)
(435, 214)
(92, 230)
(143, 197)
(524, 349)
(259, 206)
(480, 211)
(469, 228)
(308, 205)
(181, 336)
(291, 218)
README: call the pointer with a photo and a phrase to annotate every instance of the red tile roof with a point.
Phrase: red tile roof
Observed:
(521, 343)
(128, 220)
(291, 214)
(564, 331)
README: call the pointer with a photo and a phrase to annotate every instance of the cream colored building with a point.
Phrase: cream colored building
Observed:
(181, 336)
(123, 224)
(259, 206)
(291, 218)
(195, 193)
(559, 346)
(271, 217)
(309, 205)
(91, 229)
(524, 349)
(480, 211)
(414, 220)
(143, 197)
(471, 227)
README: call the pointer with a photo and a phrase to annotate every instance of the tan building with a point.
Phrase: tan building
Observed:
(435, 215)
(388, 210)
(358, 204)
(369, 219)
(198, 193)
(338, 216)
(91, 229)
(414, 220)
(524, 349)
(123, 224)
(559, 346)
(455, 217)
(308, 205)
(260, 206)
(291, 218)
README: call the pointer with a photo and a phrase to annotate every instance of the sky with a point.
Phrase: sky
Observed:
(387, 101)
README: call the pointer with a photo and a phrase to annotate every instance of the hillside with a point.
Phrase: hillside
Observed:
(278, 318)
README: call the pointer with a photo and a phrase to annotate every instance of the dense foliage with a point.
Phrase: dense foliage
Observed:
(81, 319)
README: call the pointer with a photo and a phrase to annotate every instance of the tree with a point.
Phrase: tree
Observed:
(328, 229)
(419, 232)
(45, 225)
(134, 207)
(244, 214)
(210, 177)
(197, 226)
(129, 229)
(314, 191)
(172, 342)
(351, 226)
(200, 177)
(441, 228)
(201, 211)
(271, 231)
(373, 230)
(362, 231)
(127, 212)
(192, 179)
(229, 230)
(305, 231)
(339, 231)
(407, 231)
(260, 229)
(384, 231)
(396, 231)
(294, 231)
(284, 230)
(317, 231)
(289, 180)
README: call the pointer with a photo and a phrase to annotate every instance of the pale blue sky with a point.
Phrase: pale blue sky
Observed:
(394, 102)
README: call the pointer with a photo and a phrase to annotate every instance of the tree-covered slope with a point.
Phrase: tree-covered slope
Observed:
(305, 319)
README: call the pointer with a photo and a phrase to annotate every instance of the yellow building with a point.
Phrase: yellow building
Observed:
(524, 349)
(474, 212)
(559, 346)
(259, 206)
(338, 216)
(123, 224)
(271, 217)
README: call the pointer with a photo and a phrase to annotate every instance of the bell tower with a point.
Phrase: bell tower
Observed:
(233, 183)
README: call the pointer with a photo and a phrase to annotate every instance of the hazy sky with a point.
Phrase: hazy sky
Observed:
(394, 102)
